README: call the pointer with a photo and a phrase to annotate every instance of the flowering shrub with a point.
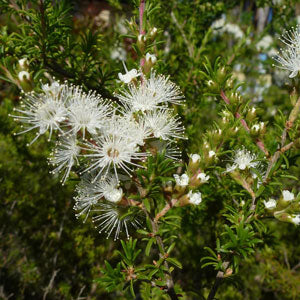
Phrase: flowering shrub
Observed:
(182, 178)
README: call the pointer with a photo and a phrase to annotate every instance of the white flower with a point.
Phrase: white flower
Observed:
(243, 159)
(195, 158)
(125, 126)
(129, 75)
(42, 112)
(23, 62)
(211, 153)
(203, 177)
(111, 219)
(90, 192)
(270, 204)
(23, 75)
(53, 89)
(65, 156)
(218, 24)
(151, 58)
(255, 127)
(287, 195)
(111, 152)
(182, 180)
(118, 53)
(234, 29)
(163, 125)
(154, 92)
(194, 198)
(264, 43)
(296, 219)
(86, 111)
(289, 59)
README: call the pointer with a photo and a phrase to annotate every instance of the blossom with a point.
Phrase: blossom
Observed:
(195, 158)
(264, 43)
(23, 62)
(23, 75)
(53, 89)
(163, 125)
(155, 92)
(125, 126)
(289, 58)
(86, 111)
(211, 153)
(42, 112)
(182, 180)
(296, 219)
(203, 177)
(270, 204)
(243, 159)
(111, 219)
(287, 195)
(112, 152)
(194, 198)
(151, 58)
(65, 156)
(129, 75)
(90, 192)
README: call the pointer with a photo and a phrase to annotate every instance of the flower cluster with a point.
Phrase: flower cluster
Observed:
(289, 58)
(103, 140)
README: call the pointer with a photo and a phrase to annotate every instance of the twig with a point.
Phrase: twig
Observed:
(189, 46)
(282, 149)
(218, 280)
(169, 280)
(165, 209)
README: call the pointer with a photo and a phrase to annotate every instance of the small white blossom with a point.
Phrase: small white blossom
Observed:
(23, 75)
(243, 159)
(129, 75)
(296, 219)
(211, 153)
(182, 180)
(111, 219)
(42, 112)
(264, 43)
(111, 152)
(289, 58)
(90, 192)
(53, 89)
(194, 198)
(255, 127)
(151, 58)
(65, 156)
(270, 204)
(23, 62)
(195, 158)
(287, 195)
(163, 125)
(86, 111)
(203, 177)
(155, 92)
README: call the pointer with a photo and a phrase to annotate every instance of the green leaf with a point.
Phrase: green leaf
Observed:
(174, 262)
(149, 245)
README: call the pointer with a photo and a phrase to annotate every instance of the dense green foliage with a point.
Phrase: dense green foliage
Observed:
(46, 253)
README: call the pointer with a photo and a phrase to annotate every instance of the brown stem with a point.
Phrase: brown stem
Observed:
(218, 281)
(169, 280)
(288, 125)
(165, 209)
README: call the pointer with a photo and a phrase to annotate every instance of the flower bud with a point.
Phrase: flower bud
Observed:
(149, 62)
(141, 42)
(181, 181)
(212, 86)
(270, 204)
(251, 114)
(194, 163)
(153, 33)
(23, 63)
(286, 199)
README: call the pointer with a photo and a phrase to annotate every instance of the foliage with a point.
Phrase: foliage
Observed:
(231, 245)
